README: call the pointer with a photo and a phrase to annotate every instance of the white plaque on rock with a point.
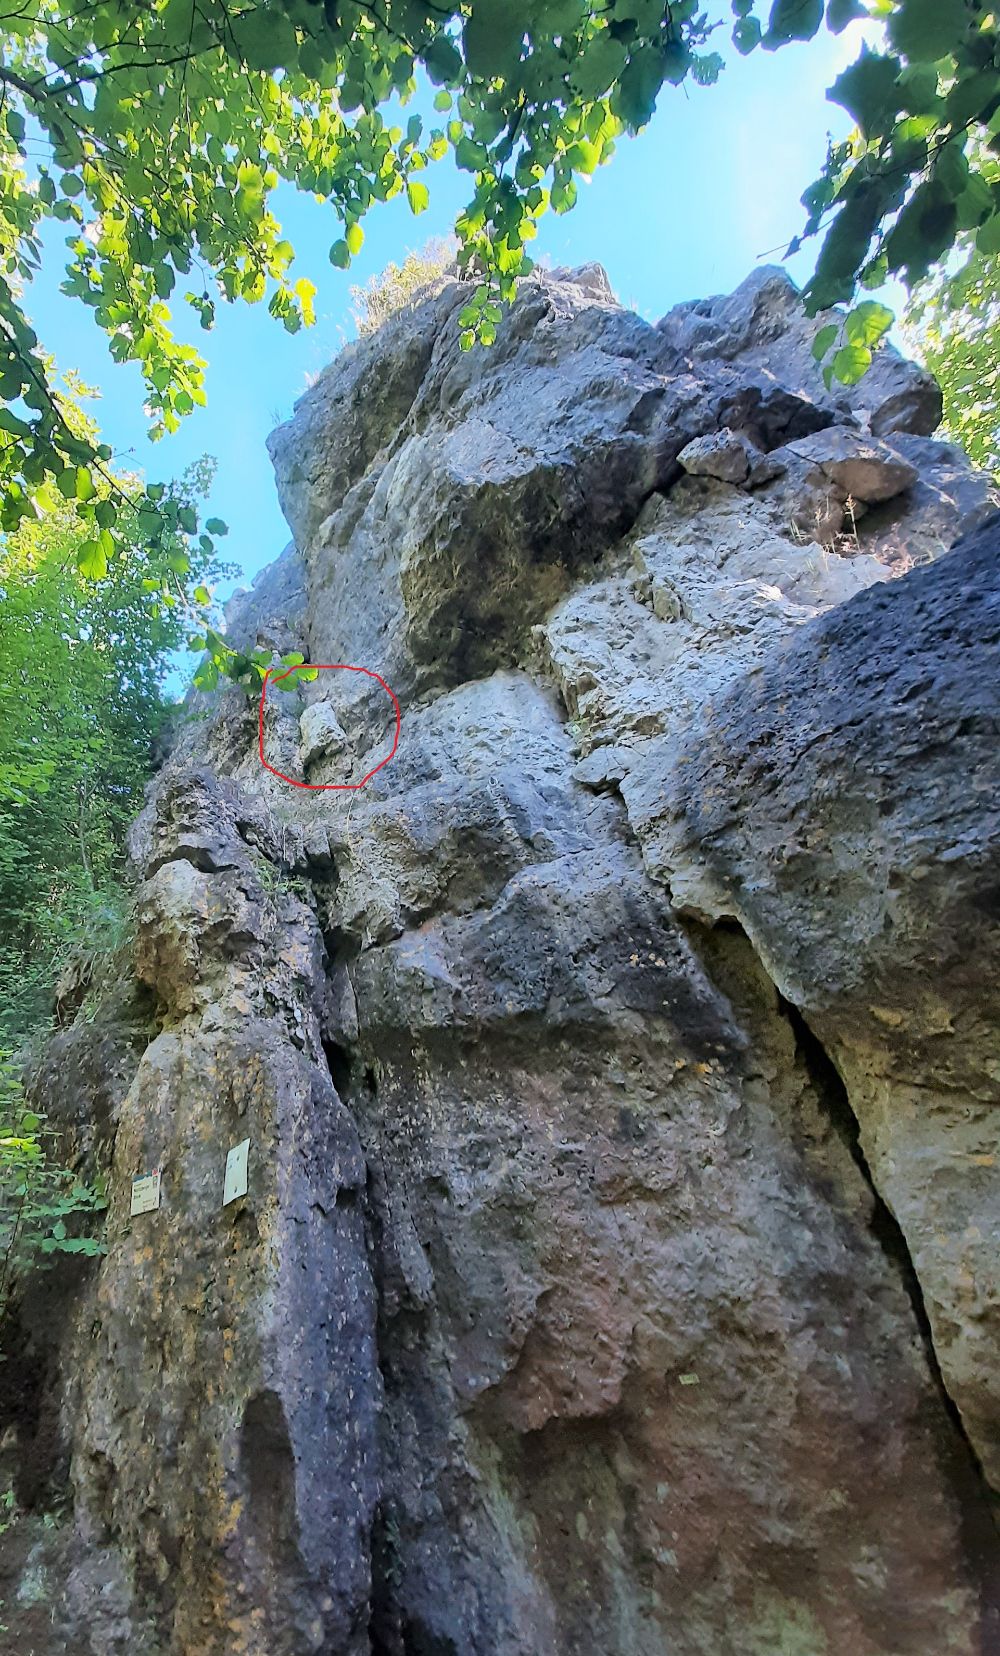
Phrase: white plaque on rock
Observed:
(145, 1193)
(236, 1172)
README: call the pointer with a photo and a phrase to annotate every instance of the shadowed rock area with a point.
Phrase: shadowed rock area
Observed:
(618, 1266)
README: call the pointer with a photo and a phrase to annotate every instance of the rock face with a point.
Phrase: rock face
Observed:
(617, 1268)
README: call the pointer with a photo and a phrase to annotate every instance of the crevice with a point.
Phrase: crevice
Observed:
(342, 947)
(884, 1226)
(339, 1063)
(978, 1502)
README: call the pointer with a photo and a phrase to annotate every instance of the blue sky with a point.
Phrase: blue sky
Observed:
(684, 210)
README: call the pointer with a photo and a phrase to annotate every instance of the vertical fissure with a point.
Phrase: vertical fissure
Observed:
(978, 1502)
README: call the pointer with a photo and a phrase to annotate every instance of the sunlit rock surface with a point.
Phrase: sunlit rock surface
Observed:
(618, 1267)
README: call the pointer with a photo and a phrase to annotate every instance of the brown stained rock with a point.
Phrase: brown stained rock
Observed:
(648, 1275)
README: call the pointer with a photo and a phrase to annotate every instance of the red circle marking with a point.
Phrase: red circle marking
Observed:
(325, 667)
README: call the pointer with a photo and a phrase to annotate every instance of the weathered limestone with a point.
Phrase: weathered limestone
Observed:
(843, 806)
(617, 1268)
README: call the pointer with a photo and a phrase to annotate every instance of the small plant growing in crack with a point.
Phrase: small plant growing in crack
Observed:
(276, 882)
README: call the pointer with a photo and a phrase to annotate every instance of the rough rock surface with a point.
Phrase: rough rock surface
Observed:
(618, 1262)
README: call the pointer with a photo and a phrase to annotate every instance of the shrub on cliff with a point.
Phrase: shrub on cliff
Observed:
(399, 284)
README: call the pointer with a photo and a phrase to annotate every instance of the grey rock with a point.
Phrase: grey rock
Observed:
(947, 500)
(723, 454)
(856, 466)
(321, 733)
(763, 327)
(857, 841)
(583, 1051)
(274, 606)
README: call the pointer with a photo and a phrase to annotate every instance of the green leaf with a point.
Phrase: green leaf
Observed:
(492, 37)
(951, 168)
(355, 238)
(841, 12)
(417, 195)
(924, 231)
(216, 526)
(868, 90)
(926, 30)
(867, 323)
(851, 362)
(975, 204)
(207, 676)
(676, 60)
(14, 424)
(793, 20)
(988, 236)
(91, 561)
(634, 99)
(340, 255)
(470, 156)
(973, 98)
(747, 34)
(824, 339)
(918, 89)
(442, 61)
(598, 66)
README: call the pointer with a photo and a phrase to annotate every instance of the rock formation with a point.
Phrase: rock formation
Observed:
(618, 1267)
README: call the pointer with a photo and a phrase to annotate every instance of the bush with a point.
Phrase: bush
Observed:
(42, 1203)
(399, 285)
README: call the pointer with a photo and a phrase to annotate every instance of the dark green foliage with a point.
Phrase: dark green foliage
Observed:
(82, 666)
(894, 199)
(45, 1209)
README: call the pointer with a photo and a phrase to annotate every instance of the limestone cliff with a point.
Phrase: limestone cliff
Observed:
(620, 1063)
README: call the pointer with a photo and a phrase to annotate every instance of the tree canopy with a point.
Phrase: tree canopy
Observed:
(82, 671)
(952, 322)
(156, 132)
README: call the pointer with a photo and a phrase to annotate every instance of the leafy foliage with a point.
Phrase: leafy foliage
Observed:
(82, 666)
(45, 1210)
(156, 134)
(398, 284)
(952, 323)
(917, 174)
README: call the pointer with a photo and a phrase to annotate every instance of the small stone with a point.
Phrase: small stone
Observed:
(602, 769)
(721, 454)
(322, 733)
